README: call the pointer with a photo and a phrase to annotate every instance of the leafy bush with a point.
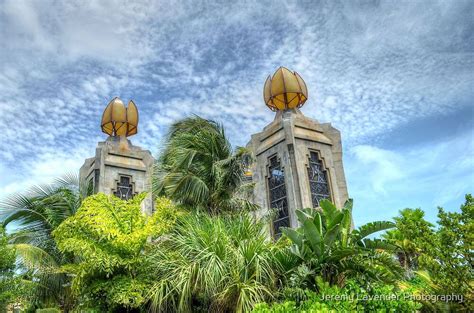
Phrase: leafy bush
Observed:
(107, 237)
(351, 298)
(325, 246)
(438, 260)
(8, 282)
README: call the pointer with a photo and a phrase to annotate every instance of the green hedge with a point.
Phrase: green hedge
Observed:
(351, 298)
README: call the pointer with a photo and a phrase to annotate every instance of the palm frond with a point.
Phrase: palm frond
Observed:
(225, 259)
(35, 214)
(198, 168)
(371, 228)
(377, 244)
(34, 258)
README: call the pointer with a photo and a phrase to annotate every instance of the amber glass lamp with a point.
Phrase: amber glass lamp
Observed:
(118, 120)
(284, 90)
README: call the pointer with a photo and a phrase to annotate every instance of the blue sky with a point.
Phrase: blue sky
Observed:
(396, 77)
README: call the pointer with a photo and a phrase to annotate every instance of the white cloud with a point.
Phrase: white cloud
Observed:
(383, 166)
(370, 69)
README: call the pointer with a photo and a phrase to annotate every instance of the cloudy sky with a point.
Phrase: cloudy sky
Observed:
(396, 77)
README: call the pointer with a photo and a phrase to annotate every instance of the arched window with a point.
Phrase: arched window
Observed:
(278, 200)
(318, 179)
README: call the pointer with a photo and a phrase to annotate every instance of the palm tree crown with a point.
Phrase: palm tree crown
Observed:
(219, 263)
(198, 167)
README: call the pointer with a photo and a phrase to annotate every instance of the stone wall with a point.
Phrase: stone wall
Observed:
(114, 159)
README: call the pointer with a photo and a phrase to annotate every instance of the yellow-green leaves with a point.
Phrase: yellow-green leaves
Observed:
(115, 225)
(107, 236)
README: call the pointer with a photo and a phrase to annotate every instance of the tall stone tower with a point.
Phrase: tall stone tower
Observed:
(118, 167)
(298, 161)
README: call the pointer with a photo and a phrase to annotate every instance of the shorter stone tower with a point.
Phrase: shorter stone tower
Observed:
(118, 167)
(298, 161)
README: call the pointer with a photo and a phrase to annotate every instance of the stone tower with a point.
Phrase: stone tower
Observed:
(298, 161)
(118, 167)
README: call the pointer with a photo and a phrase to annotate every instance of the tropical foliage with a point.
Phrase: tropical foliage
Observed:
(11, 289)
(412, 235)
(439, 260)
(107, 238)
(452, 253)
(33, 216)
(199, 169)
(204, 250)
(352, 297)
(221, 264)
(326, 247)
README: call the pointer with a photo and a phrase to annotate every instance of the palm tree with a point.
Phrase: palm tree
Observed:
(412, 236)
(31, 218)
(199, 169)
(406, 250)
(215, 263)
(326, 247)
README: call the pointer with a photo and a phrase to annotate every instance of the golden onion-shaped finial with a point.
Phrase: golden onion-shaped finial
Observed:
(118, 120)
(285, 90)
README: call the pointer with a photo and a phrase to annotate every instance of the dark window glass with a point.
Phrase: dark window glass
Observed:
(124, 188)
(278, 200)
(318, 179)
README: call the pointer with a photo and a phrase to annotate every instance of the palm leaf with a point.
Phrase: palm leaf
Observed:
(35, 258)
(35, 214)
(377, 244)
(341, 254)
(373, 227)
(198, 168)
(331, 235)
(303, 215)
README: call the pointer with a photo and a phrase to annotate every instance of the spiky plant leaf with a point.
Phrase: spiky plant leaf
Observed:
(225, 262)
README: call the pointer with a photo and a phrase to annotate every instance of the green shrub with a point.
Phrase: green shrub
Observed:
(219, 264)
(108, 236)
(351, 298)
(326, 245)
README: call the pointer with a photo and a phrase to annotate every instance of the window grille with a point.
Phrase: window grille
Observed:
(124, 188)
(278, 199)
(318, 179)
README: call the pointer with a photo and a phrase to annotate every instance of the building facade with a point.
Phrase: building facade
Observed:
(297, 160)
